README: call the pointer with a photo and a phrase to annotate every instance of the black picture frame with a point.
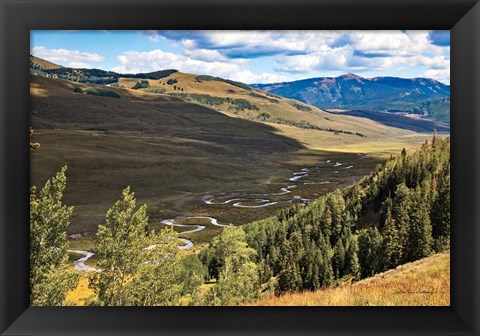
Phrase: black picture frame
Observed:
(18, 17)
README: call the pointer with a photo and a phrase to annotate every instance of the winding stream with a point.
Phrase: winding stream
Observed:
(80, 263)
(232, 199)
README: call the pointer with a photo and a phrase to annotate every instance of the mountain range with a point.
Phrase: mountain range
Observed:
(419, 105)
(422, 97)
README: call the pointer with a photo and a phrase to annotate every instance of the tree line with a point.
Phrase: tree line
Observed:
(264, 116)
(236, 104)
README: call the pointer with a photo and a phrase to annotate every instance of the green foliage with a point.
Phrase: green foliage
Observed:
(193, 273)
(440, 215)
(420, 229)
(50, 278)
(150, 75)
(137, 267)
(141, 84)
(97, 76)
(204, 78)
(94, 91)
(301, 107)
(239, 104)
(370, 251)
(243, 104)
(230, 261)
(94, 76)
(305, 125)
(392, 242)
(263, 116)
(154, 90)
(157, 281)
(172, 81)
(335, 238)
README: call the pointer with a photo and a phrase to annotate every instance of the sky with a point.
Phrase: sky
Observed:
(252, 56)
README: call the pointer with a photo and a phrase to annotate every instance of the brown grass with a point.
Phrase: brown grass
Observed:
(425, 282)
(43, 64)
(278, 107)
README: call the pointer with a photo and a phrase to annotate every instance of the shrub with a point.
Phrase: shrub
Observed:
(141, 85)
(205, 78)
(101, 92)
(263, 116)
(155, 90)
(301, 107)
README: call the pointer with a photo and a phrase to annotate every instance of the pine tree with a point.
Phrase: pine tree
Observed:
(309, 268)
(289, 278)
(401, 216)
(369, 251)
(420, 229)
(336, 204)
(392, 247)
(352, 265)
(50, 277)
(325, 272)
(265, 271)
(338, 261)
(440, 215)
(326, 223)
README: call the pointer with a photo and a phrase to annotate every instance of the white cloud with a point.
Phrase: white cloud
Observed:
(314, 53)
(136, 61)
(246, 76)
(372, 51)
(70, 58)
(205, 55)
(392, 43)
(442, 75)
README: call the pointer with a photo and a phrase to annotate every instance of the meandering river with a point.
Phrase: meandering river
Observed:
(247, 201)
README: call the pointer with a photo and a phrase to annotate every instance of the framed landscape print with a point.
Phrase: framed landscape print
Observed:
(193, 165)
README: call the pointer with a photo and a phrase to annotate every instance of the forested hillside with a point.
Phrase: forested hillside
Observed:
(397, 214)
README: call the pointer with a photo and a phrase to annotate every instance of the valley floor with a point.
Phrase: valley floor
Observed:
(425, 282)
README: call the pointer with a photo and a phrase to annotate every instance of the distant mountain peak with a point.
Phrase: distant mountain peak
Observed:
(350, 76)
(423, 97)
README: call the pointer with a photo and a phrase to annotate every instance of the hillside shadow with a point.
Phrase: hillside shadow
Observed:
(172, 118)
(399, 121)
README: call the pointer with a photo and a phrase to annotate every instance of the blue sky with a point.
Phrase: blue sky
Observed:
(253, 56)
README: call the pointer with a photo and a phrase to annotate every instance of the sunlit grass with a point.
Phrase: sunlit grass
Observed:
(81, 295)
(422, 283)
